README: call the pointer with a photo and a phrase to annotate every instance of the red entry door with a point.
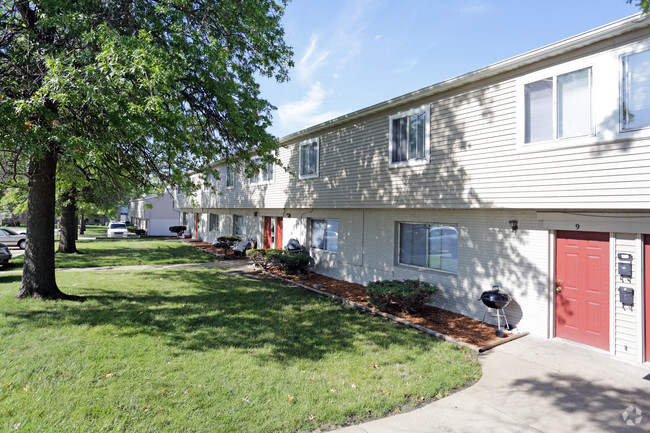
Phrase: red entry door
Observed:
(272, 232)
(278, 232)
(197, 218)
(582, 273)
(267, 232)
(646, 283)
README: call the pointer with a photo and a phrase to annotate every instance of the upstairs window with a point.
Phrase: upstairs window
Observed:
(230, 177)
(635, 110)
(263, 173)
(558, 107)
(409, 137)
(325, 235)
(308, 159)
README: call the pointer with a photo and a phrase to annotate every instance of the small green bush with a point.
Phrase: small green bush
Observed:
(139, 232)
(261, 257)
(292, 263)
(179, 230)
(409, 295)
(289, 263)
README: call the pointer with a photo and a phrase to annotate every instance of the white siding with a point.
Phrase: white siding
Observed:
(625, 318)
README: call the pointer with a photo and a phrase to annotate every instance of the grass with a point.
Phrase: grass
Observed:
(126, 252)
(95, 230)
(201, 351)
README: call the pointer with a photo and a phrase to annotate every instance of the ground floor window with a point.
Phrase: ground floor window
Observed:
(240, 225)
(433, 246)
(214, 222)
(325, 235)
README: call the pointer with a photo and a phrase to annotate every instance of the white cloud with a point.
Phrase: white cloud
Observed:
(311, 61)
(405, 67)
(301, 114)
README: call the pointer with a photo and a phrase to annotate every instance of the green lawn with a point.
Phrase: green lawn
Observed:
(200, 351)
(126, 252)
(95, 230)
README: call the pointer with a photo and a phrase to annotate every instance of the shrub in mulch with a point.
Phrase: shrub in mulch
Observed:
(409, 295)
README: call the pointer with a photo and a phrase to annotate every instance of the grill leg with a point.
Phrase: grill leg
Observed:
(484, 314)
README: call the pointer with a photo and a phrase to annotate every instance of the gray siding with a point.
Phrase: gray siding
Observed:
(625, 318)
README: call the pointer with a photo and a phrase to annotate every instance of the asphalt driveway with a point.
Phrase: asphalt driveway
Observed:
(536, 385)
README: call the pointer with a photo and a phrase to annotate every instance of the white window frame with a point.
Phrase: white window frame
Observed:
(554, 74)
(212, 215)
(234, 225)
(300, 147)
(263, 169)
(426, 109)
(429, 225)
(324, 220)
(645, 47)
(230, 176)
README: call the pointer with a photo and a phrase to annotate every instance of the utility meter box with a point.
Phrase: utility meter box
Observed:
(626, 296)
(625, 269)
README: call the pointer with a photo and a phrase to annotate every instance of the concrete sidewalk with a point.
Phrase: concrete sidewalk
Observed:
(536, 385)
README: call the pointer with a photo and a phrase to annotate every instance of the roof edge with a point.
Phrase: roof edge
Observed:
(598, 34)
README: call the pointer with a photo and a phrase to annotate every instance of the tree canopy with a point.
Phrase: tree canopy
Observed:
(144, 90)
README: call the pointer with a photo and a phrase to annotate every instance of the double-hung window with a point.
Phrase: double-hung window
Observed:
(308, 158)
(409, 137)
(558, 107)
(433, 246)
(230, 177)
(325, 234)
(239, 228)
(214, 222)
(635, 89)
(263, 173)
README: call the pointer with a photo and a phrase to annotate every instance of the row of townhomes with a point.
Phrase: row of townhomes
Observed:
(532, 174)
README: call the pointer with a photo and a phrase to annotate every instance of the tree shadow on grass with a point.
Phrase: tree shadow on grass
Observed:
(225, 311)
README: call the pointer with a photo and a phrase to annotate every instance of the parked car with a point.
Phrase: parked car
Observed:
(5, 255)
(12, 239)
(116, 230)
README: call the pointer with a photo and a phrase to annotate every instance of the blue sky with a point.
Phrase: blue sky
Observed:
(350, 54)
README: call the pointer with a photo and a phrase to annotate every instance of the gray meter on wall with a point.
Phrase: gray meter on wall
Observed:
(625, 265)
(626, 296)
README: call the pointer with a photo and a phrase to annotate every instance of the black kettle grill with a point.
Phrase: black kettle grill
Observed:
(497, 300)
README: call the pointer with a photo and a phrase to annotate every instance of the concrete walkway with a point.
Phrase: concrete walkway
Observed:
(536, 385)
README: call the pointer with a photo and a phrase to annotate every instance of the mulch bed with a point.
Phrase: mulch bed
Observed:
(209, 248)
(454, 325)
(445, 322)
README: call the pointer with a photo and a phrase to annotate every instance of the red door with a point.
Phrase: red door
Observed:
(646, 282)
(582, 301)
(267, 233)
(278, 233)
(197, 218)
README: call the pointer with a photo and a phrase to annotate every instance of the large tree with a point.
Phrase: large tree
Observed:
(144, 88)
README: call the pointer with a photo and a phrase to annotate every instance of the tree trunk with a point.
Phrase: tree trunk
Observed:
(67, 240)
(39, 280)
(82, 221)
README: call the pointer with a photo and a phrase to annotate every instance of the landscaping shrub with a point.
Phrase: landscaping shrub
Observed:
(289, 263)
(408, 294)
(139, 232)
(261, 257)
(179, 230)
(292, 263)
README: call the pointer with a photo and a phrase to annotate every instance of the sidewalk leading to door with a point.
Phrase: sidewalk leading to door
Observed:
(536, 385)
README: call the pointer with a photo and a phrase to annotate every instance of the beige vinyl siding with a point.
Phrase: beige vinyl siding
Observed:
(625, 319)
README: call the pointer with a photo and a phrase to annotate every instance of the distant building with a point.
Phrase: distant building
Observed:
(154, 214)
